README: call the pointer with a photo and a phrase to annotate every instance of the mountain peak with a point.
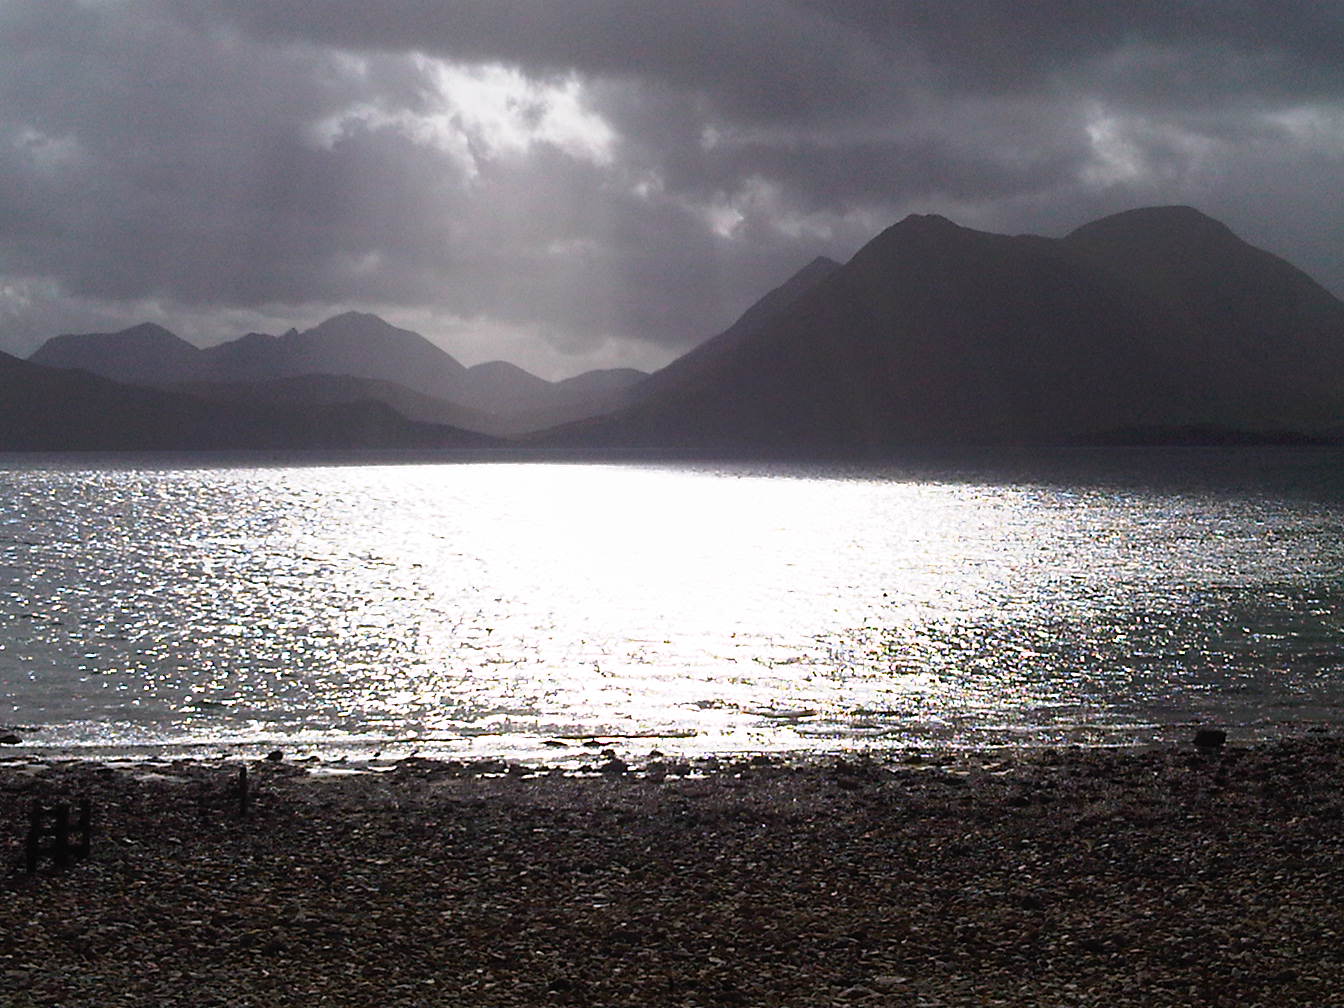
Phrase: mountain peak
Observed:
(928, 221)
(349, 320)
(142, 353)
(924, 232)
(147, 329)
(1154, 223)
(355, 316)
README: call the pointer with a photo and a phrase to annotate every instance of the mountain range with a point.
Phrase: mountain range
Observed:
(1149, 324)
(372, 359)
(57, 409)
(1153, 325)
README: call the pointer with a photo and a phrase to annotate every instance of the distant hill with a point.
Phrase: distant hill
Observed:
(353, 343)
(145, 354)
(494, 397)
(54, 409)
(1154, 320)
(324, 389)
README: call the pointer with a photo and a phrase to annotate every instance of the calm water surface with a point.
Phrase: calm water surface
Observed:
(493, 608)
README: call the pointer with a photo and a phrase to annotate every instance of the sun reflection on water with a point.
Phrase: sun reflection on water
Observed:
(466, 607)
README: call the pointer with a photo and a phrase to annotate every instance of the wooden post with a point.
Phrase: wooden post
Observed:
(33, 845)
(85, 828)
(61, 838)
(49, 834)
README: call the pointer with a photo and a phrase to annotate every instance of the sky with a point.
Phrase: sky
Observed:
(570, 184)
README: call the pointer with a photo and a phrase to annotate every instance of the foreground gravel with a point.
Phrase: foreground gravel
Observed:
(1069, 877)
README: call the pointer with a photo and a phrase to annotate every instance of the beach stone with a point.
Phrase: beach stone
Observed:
(9, 738)
(482, 767)
(614, 765)
(1210, 738)
(889, 981)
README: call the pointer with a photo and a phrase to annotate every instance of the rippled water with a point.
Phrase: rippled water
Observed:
(491, 608)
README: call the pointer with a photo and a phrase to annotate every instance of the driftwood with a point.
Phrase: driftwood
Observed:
(52, 835)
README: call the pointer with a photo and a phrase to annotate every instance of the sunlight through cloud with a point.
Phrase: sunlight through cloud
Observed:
(485, 112)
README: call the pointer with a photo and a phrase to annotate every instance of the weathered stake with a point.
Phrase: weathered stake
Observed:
(60, 840)
(244, 793)
(85, 827)
(33, 844)
(60, 847)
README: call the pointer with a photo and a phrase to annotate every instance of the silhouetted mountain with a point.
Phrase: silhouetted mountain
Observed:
(53, 409)
(591, 394)
(498, 385)
(699, 366)
(496, 397)
(145, 354)
(353, 343)
(938, 334)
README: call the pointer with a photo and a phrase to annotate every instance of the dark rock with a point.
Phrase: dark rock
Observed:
(614, 765)
(482, 767)
(1210, 738)
(9, 738)
(275, 755)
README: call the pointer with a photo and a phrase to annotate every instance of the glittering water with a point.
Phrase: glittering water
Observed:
(491, 608)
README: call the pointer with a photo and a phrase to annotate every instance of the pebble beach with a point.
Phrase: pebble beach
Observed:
(1073, 876)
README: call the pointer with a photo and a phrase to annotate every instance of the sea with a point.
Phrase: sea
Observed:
(456, 607)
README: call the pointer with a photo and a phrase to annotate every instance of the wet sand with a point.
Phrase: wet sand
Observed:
(1051, 877)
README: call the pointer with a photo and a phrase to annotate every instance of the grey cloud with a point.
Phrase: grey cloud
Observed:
(779, 57)
(249, 158)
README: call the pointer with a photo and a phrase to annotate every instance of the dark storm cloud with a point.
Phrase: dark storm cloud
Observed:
(786, 59)
(600, 173)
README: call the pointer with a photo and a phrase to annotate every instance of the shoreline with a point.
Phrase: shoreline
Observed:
(24, 742)
(1160, 875)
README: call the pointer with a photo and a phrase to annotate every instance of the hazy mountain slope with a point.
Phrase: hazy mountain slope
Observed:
(935, 333)
(353, 343)
(523, 402)
(599, 384)
(322, 389)
(145, 354)
(50, 409)
(496, 397)
(701, 363)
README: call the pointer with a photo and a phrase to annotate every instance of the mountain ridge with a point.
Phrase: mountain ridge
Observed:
(356, 345)
(1151, 324)
(934, 333)
(43, 408)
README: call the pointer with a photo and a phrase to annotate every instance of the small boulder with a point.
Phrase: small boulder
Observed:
(9, 738)
(1210, 738)
(275, 755)
(890, 982)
